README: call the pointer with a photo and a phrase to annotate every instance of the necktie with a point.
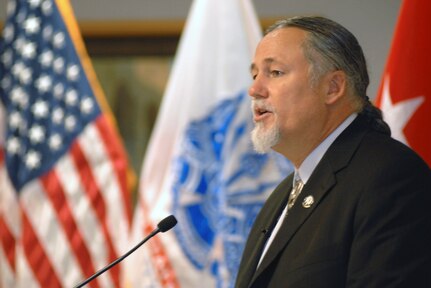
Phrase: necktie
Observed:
(294, 193)
(296, 190)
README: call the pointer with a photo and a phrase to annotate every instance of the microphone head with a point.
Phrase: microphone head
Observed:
(167, 223)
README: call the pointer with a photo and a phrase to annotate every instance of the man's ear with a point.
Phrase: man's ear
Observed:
(337, 85)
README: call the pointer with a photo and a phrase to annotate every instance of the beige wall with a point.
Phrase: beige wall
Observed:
(372, 21)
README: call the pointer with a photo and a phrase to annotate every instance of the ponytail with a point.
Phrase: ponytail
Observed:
(375, 116)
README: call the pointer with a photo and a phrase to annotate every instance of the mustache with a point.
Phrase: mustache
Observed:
(261, 105)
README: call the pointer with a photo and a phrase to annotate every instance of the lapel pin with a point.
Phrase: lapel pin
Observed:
(308, 201)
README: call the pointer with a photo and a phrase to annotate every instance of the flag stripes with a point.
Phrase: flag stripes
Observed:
(85, 217)
(56, 195)
(96, 200)
(36, 256)
(8, 243)
(72, 175)
(9, 224)
(8, 239)
(99, 144)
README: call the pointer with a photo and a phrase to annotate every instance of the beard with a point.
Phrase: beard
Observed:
(264, 139)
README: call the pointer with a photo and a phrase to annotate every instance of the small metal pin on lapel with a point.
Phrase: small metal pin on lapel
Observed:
(308, 201)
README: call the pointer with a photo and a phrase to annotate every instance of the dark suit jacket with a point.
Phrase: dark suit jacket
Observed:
(369, 226)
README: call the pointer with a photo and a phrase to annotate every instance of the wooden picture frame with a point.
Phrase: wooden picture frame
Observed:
(132, 60)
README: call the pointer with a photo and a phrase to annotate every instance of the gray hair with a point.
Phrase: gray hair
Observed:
(328, 47)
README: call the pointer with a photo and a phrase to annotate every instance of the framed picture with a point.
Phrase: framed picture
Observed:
(132, 61)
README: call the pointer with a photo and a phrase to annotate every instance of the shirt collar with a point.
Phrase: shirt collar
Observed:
(307, 167)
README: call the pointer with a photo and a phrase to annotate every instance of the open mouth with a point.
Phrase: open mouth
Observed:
(260, 113)
(261, 110)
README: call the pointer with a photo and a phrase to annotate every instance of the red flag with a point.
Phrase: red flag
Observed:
(405, 92)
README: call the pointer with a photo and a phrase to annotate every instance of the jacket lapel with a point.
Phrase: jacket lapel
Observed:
(260, 232)
(317, 188)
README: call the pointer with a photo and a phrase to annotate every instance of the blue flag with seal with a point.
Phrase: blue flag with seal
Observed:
(200, 164)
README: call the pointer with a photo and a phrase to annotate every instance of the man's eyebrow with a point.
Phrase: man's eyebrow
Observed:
(267, 61)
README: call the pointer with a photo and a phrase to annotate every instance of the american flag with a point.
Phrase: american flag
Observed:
(64, 201)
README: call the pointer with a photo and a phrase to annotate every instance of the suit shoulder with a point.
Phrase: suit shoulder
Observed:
(385, 150)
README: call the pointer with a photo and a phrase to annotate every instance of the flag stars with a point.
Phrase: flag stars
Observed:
(32, 25)
(22, 129)
(43, 83)
(36, 134)
(17, 68)
(32, 159)
(47, 7)
(20, 16)
(71, 97)
(15, 120)
(25, 76)
(46, 58)
(55, 142)
(40, 109)
(7, 57)
(70, 123)
(47, 32)
(28, 50)
(59, 40)
(58, 90)
(8, 33)
(19, 97)
(34, 3)
(18, 44)
(72, 72)
(59, 65)
(6, 82)
(87, 105)
(13, 145)
(57, 115)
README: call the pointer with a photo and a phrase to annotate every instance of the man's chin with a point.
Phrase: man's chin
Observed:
(263, 141)
(261, 150)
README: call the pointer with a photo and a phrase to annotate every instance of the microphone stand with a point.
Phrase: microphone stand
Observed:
(155, 231)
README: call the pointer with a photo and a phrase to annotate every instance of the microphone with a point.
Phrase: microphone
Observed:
(163, 226)
(167, 224)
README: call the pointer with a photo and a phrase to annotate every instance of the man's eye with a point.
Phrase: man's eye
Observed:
(276, 73)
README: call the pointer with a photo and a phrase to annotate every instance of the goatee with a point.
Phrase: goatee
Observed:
(264, 139)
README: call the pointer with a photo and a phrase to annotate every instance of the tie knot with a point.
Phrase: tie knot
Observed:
(297, 182)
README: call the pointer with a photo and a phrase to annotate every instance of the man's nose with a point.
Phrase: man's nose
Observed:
(258, 88)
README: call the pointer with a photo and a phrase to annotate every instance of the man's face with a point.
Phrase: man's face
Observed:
(287, 108)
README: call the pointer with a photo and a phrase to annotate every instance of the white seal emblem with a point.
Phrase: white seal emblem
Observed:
(308, 201)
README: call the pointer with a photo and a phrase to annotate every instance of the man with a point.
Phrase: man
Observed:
(359, 215)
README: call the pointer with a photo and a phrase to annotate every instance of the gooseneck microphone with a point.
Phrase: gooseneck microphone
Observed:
(163, 226)
(166, 224)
